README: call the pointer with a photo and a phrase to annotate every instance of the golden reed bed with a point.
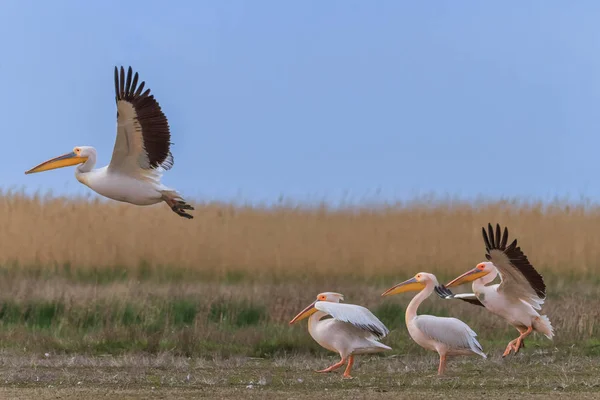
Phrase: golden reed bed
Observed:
(399, 240)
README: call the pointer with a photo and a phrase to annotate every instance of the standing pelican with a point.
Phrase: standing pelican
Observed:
(352, 330)
(519, 294)
(447, 336)
(141, 152)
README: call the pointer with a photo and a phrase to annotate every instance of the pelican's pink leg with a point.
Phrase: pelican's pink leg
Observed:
(515, 345)
(442, 366)
(509, 348)
(349, 367)
(334, 366)
(521, 338)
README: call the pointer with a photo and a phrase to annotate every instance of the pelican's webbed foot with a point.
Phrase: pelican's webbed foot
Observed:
(178, 206)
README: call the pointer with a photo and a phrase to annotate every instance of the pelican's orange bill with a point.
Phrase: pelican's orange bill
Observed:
(468, 276)
(410, 285)
(66, 160)
(307, 312)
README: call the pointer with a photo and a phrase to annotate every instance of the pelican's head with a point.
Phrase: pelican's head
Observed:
(310, 310)
(79, 155)
(481, 270)
(330, 296)
(414, 284)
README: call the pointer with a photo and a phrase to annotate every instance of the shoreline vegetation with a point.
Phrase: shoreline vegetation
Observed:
(287, 241)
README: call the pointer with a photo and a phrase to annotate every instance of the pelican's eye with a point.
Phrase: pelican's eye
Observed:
(481, 267)
(418, 276)
(322, 298)
(77, 150)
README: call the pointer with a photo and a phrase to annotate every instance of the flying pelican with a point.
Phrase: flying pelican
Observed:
(516, 298)
(447, 336)
(141, 152)
(352, 330)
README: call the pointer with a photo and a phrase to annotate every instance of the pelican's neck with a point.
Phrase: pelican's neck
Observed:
(480, 283)
(314, 319)
(411, 310)
(88, 165)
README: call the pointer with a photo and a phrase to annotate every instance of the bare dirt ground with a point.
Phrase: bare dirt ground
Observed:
(534, 375)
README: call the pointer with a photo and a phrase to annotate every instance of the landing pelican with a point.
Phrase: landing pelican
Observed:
(447, 336)
(352, 330)
(141, 152)
(518, 296)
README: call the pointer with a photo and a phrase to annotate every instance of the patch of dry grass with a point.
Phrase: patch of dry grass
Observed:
(278, 241)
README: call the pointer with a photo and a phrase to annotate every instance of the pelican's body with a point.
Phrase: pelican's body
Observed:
(141, 191)
(517, 298)
(519, 313)
(352, 330)
(446, 336)
(141, 152)
(342, 337)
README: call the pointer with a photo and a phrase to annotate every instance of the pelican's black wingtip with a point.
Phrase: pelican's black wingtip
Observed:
(443, 291)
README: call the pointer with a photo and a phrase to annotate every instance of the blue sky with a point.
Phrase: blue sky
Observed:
(315, 99)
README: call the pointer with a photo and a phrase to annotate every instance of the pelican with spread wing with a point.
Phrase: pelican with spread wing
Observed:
(352, 330)
(519, 295)
(446, 336)
(141, 153)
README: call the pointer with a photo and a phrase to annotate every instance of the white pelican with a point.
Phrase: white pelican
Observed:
(141, 152)
(516, 298)
(447, 336)
(352, 330)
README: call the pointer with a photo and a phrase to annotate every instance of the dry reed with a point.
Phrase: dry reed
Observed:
(365, 242)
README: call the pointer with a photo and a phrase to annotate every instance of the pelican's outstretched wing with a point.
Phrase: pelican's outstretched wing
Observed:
(446, 294)
(450, 331)
(519, 278)
(356, 315)
(143, 138)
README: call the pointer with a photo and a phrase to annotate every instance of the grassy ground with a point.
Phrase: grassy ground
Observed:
(539, 374)
(66, 337)
(58, 315)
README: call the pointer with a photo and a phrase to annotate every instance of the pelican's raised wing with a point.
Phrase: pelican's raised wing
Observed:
(450, 331)
(446, 294)
(143, 137)
(356, 315)
(519, 278)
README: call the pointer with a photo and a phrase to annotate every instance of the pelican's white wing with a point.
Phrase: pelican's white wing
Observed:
(450, 331)
(143, 136)
(356, 315)
(519, 278)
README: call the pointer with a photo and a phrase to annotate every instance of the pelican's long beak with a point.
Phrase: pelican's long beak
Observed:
(65, 160)
(307, 312)
(468, 276)
(411, 285)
